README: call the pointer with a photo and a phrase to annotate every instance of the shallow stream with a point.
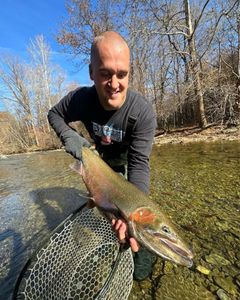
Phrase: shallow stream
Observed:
(198, 185)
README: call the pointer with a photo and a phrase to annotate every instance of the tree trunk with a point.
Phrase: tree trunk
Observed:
(194, 67)
(237, 102)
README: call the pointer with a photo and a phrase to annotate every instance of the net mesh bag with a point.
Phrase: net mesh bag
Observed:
(82, 261)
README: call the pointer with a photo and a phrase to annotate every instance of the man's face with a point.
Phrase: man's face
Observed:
(110, 72)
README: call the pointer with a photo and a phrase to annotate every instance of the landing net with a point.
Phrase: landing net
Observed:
(82, 261)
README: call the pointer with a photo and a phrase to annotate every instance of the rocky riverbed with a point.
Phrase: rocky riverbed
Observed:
(198, 185)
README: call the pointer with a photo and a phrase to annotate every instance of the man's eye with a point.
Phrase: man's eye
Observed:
(122, 75)
(104, 74)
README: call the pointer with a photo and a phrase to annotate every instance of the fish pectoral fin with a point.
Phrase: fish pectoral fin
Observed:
(109, 209)
(120, 214)
(77, 166)
(91, 203)
(108, 214)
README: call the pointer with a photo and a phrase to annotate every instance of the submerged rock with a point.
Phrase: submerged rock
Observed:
(217, 260)
(203, 270)
(141, 290)
(177, 287)
(237, 280)
(157, 270)
(237, 264)
(226, 284)
(223, 226)
(222, 295)
(168, 267)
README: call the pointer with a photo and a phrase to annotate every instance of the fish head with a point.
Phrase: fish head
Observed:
(157, 233)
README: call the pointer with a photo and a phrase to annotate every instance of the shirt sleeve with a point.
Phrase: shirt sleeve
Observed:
(140, 149)
(65, 111)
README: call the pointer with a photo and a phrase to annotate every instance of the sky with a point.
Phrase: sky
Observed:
(22, 20)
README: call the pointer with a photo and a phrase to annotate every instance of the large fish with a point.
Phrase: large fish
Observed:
(114, 195)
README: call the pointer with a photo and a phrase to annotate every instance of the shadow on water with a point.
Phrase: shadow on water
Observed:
(57, 203)
(13, 266)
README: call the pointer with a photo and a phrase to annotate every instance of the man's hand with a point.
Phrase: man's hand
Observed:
(73, 143)
(120, 227)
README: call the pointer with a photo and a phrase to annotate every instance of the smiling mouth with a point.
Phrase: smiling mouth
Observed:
(113, 96)
(113, 93)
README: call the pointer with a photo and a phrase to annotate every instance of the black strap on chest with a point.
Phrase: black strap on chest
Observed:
(130, 124)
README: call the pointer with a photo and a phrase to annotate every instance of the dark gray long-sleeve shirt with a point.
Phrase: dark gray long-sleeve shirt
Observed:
(134, 142)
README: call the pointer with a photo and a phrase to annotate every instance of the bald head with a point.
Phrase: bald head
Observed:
(109, 69)
(108, 39)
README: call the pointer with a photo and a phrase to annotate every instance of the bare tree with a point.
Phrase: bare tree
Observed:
(194, 63)
(13, 75)
(43, 80)
(173, 50)
(223, 99)
(85, 21)
(29, 90)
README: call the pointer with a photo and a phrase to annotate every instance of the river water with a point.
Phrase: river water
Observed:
(196, 184)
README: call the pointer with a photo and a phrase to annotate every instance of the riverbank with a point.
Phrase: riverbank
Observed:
(177, 136)
(194, 134)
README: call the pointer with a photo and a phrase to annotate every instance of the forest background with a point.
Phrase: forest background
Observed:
(185, 58)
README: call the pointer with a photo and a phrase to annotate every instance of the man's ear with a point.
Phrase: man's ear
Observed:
(90, 71)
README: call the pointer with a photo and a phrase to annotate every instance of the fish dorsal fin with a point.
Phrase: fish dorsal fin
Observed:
(143, 215)
(110, 210)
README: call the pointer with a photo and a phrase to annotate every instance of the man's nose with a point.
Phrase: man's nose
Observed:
(114, 82)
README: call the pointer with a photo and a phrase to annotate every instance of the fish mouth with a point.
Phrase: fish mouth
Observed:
(173, 246)
(185, 256)
(171, 251)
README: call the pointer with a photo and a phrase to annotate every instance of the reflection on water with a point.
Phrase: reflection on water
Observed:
(197, 185)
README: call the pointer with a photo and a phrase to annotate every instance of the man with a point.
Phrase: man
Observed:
(121, 122)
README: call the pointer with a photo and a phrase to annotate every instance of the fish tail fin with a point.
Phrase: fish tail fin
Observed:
(77, 166)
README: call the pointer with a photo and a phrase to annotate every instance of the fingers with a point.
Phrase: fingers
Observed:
(121, 229)
(134, 244)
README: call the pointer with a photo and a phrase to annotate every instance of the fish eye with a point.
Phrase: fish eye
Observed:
(166, 229)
